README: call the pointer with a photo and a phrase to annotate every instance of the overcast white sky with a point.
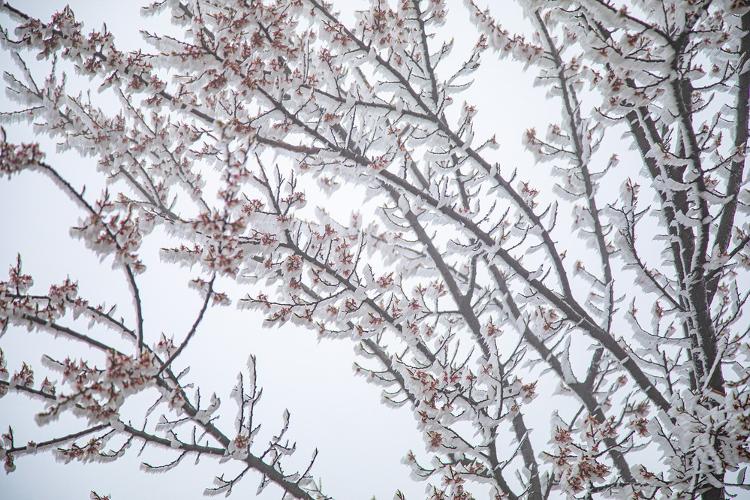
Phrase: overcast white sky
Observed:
(361, 442)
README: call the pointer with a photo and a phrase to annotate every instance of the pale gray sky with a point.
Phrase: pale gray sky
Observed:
(361, 441)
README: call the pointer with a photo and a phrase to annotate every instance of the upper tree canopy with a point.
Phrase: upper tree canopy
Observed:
(601, 283)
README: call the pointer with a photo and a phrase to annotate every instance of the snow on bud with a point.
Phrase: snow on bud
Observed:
(15, 158)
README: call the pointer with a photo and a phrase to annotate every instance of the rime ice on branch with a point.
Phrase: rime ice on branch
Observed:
(461, 289)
